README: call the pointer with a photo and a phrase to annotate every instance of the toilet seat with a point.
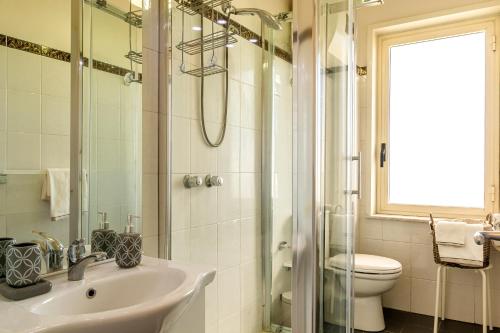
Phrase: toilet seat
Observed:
(286, 297)
(368, 264)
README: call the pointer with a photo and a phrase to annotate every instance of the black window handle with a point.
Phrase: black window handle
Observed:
(383, 154)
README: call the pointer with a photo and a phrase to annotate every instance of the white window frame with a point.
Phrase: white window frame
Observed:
(384, 43)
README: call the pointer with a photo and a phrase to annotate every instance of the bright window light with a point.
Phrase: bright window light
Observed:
(437, 109)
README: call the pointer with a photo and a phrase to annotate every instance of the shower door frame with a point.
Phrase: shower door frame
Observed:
(309, 180)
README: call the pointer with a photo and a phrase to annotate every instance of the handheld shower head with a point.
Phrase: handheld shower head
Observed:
(266, 17)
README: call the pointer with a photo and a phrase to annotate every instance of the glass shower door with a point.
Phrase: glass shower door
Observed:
(336, 75)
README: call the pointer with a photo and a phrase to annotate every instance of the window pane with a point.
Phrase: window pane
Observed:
(437, 122)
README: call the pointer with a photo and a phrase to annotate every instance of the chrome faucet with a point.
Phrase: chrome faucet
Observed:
(52, 251)
(480, 237)
(78, 261)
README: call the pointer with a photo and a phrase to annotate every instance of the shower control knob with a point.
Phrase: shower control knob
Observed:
(213, 181)
(192, 181)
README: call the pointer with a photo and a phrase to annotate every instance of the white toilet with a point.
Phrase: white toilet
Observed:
(373, 276)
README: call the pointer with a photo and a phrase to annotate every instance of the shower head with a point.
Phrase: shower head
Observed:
(266, 17)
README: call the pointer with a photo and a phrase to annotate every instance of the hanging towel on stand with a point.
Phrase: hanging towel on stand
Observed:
(55, 188)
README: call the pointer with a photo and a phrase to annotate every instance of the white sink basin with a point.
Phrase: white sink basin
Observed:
(140, 299)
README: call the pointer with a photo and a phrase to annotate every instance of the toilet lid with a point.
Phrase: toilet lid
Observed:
(286, 297)
(367, 263)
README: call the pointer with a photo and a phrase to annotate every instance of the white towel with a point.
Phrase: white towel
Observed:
(55, 189)
(471, 253)
(450, 233)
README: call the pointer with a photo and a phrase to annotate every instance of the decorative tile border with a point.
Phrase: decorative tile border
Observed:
(45, 51)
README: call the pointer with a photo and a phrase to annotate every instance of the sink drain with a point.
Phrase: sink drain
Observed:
(91, 293)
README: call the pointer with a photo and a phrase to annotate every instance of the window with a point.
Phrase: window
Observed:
(438, 123)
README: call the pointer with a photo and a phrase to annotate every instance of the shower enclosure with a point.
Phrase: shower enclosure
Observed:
(285, 201)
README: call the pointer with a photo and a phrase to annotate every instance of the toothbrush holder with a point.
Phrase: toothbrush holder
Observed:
(23, 264)
(5, 242)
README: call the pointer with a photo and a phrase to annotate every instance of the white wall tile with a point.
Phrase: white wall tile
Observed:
(180, 245)
(424, 303)
(56, 77)
(150, 80)
(228, 157)
(250, 107)
(150, 28)
(3, 150)
(250, 150)
(250, 239)
(203, 245)
(23, 112)
(422, 262)
(229, 292)
(3, 67)
(460, 302)
(23, 151)
(399, 297)
(23, 71)
(228, 197)
(230, 324)
(212, 304)
(251, 283)
(181, 203)
(55, 151)
(3, 227)
(150, 204)
(203, 157)
(396, 231)
(150, 142)
(55, 115)
(181, 136)
(250, 194)
(234, 103)
(203, 206)
(228, 244)
(150, 246)
(3, 109)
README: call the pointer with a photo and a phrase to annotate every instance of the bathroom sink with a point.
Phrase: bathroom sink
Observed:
(147, 298)
(112, 293)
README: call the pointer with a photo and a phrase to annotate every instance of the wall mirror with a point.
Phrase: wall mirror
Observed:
(35, 113)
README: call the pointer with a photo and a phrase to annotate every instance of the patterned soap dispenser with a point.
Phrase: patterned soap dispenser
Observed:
(104, 239)
(129, 248)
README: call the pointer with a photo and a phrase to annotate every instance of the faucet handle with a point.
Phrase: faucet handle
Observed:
(76, 250)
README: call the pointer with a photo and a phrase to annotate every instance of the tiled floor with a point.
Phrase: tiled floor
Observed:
(406, 322)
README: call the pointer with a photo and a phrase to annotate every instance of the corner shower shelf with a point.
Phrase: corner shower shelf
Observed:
(207, 43)
(134, 18)
(207, 70)
(134, 56)
(193, 7)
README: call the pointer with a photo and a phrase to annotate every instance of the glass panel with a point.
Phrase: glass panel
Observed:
(277, 181)
(112, 118)
(428, 94)
(336, 101)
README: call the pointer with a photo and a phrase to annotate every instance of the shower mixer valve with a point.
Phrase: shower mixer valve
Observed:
(213, 181)
(192, 181)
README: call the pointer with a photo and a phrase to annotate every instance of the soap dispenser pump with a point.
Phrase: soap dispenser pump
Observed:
(104, 239)
(129, 249)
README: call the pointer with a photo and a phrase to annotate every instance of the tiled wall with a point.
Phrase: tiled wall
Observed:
(220, 226)
(34, 132)
(409, 241)
(34, 135)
